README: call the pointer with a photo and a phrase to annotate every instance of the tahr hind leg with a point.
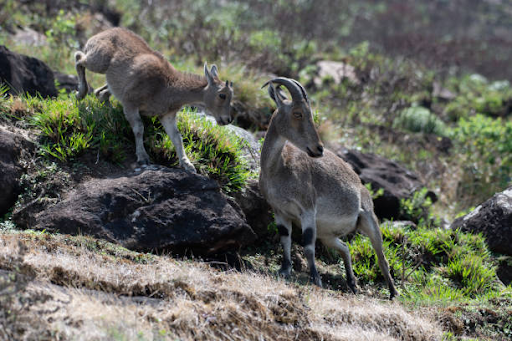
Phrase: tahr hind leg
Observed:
(367, 223)
(132, 115)
(344, 251)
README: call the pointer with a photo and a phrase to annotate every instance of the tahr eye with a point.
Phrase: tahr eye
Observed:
(297, 114)
(222, 96)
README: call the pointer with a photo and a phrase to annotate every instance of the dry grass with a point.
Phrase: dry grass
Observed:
(96, 291)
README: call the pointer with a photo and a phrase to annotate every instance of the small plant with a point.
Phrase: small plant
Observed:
(374, 194)
(486, 156)
(417, 208)
(62, 30)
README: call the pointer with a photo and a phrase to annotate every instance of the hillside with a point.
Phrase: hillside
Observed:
(414, 95)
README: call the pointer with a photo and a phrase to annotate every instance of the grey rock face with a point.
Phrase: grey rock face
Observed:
(493, 219)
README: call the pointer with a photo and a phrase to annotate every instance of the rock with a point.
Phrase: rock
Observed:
(67, 82)
(28, 36)
(335, 70)
(251, 149)
(10, 171)
(257, 211)
(163, 210)
(402, 224)
(397, 182)
(442, 93)
(504, 270)
(26, 74)
(493, 219)
(249, 117)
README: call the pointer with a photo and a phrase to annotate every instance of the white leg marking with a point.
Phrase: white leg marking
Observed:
(169, 123)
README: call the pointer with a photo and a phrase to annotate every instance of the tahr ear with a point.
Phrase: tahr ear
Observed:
(214, 72)
(208, 75)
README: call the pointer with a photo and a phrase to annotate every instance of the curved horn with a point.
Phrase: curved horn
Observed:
(301, 89)
(291, 85)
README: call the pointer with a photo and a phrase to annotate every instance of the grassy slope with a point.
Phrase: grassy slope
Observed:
(436, 269)
(81, 288)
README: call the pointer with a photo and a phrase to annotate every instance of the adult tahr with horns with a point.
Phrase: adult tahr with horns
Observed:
(311, 187)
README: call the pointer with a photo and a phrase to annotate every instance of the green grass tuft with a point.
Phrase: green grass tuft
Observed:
(213, 150)
(69, 128)
(432, 265)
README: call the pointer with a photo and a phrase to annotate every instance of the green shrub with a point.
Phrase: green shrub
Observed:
(417, 208)
(436, 245)
(419, 119)
(476, 95)
(458, 108)
(485, 146)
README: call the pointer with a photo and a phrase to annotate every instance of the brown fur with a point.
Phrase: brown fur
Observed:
(146, 83)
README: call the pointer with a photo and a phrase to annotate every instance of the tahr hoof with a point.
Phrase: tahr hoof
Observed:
(285, 272)
(352, 286)
(143, 162)
(189, 167)
(79, 95)
(317, 281)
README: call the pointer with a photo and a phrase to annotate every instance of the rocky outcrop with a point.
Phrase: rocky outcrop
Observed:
(25, 74)
(257, 211)
(10, 172)
(398, 183)
(493, 219)
(164, 210)
(336, 71)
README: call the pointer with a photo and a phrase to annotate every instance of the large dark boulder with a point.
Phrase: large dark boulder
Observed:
(24, 74)
(398, 182)
(164, 210)
(493, 219)
(257, 211)
(10, 172)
